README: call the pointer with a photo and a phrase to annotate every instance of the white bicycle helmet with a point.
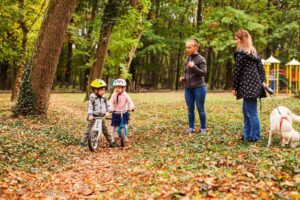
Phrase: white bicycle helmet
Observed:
(120, 82)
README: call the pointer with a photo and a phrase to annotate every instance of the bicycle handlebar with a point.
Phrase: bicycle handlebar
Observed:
(123, 111)
(99, 117)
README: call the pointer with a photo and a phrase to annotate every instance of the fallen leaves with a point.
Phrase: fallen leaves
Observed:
(42, 159)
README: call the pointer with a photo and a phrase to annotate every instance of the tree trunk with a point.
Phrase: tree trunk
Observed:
(17, 82)
(178, 68)
(133, 50)
(20, 73)
(3, 75)
(209, 66)
(108, 20)
(74, 81)
(86, 80)
(91, 48)
(180, 37)
(47, 52)
(93, 17)
(229, 76)
(68, 64)
(199, 15)
(217, 78)
(172, 67)
(154, 74)
(20, 69)
(132, 70)
(214, 70)
(134, 3)
(102, 47)
(131, 55)
(81, 79)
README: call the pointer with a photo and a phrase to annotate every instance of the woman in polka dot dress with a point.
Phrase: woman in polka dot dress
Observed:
(248, 83)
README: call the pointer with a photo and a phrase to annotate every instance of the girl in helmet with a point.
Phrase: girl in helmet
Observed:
(97, 106)
(120, 100)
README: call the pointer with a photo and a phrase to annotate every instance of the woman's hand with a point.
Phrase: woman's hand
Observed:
(191, 64)
(265, 85)
(234, 92)
(107, 114)
(90, 117)
(181, 78)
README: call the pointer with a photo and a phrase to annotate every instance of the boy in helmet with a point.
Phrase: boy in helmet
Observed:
(120, 100)
(97, 106)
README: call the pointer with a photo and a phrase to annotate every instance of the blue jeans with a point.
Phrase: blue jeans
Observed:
(192, 96)
(251, 129)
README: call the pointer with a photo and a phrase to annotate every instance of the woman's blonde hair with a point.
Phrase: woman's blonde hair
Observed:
(246, 42)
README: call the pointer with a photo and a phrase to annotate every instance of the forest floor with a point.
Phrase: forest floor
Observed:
(40, 157)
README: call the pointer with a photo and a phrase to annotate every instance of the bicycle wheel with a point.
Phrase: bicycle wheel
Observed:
(93, 140)
(123, 137)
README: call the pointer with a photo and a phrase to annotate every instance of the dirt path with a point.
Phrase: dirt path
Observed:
(85, 175)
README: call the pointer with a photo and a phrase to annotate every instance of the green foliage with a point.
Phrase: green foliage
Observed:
(124, 73)
(25, 104)
(10, 34)
(162, 46)
(285, 33)
(28, 144)
(127, 21)
(165, 25)
(156, 44)
(123, 39)
(78, 31)
(112, 11)
(220, 24)
(17, 18)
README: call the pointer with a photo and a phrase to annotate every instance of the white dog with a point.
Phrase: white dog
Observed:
(281, 123)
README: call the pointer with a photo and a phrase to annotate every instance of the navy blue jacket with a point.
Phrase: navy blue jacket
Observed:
(249, 74)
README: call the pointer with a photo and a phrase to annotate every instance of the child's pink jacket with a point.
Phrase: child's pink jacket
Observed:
(121, 102)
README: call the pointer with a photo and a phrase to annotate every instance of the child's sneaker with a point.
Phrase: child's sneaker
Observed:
(113, 144)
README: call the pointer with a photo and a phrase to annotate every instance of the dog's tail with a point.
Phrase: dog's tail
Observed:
(295, 117)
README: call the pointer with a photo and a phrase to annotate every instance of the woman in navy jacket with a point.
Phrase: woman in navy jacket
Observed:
(248, 83)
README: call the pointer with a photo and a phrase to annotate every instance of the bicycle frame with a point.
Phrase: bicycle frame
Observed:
(122, 125)
(98, 126)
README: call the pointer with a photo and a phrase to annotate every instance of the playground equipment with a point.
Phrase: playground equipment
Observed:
(293, 76)
(272, 73)
(288, 75)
